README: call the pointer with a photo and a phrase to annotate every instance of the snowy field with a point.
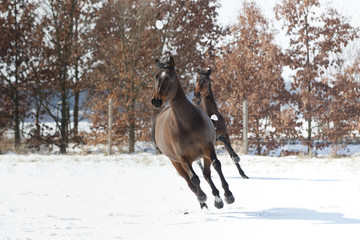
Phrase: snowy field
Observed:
(141, 197)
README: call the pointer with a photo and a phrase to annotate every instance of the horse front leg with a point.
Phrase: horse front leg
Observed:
(193, 188)
(226, 141)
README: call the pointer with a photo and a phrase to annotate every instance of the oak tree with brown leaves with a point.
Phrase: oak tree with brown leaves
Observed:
(127, 41)
(17, 27)
(342, 108)
(250, 68)
(65, 24)
(314, 35)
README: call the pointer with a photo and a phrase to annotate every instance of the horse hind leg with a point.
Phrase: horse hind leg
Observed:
(229, 198)
(193, 188)
(226, 141)
(207, 175)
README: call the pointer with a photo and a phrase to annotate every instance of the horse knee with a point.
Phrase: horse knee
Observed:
(216, 164)
(195, 180)
(235, 158)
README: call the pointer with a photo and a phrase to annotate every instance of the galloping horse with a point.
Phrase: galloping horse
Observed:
(184, 133)
(204, 94)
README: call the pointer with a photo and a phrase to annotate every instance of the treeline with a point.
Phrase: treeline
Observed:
(66, 59)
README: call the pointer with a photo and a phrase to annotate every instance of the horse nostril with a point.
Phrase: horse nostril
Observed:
(156, 102)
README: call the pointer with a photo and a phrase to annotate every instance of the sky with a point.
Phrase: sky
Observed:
(230, 8)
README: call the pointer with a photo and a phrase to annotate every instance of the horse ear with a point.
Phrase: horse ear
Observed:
(209, 71)
(171, 62)
(198, 70)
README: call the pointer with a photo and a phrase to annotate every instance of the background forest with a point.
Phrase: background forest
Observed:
(62, 61)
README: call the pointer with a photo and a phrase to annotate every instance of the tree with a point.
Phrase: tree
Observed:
(313, 38)
(124, 37)
(127, 42)
(343, 106)
(65, 24)
(250, 68)
(17, 27)
(190, 33)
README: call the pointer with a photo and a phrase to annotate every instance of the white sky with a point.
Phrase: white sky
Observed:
(230, 8)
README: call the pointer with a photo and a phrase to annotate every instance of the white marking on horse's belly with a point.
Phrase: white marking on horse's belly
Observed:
(214, 117)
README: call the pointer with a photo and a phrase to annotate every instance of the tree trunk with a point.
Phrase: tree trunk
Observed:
(109, 128)
(76, 113)
(245, 128)
(63, 125)
(132, 137)
(309, 139)
(258, 146)
(37, 127)
(17, 138)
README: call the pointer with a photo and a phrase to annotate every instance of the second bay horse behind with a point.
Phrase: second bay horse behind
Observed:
(184, 133)
(204, 93)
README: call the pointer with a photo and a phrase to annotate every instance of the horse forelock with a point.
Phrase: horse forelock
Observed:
(202, 72)
(164, 65)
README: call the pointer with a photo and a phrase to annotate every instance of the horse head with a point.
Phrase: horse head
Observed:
(203, 83)
(166, 82)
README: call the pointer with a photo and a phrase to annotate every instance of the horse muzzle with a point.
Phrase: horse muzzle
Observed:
(157, 102)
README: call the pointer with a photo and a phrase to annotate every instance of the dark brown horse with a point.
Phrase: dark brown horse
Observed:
(184, 133)
(204, 94)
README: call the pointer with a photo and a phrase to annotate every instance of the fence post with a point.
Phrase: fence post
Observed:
(109, 140)
(245, 127)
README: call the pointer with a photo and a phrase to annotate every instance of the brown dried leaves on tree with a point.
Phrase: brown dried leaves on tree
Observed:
(314, 36)
(250, 68)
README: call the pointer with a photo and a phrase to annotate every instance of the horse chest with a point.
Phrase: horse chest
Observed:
(176, 142)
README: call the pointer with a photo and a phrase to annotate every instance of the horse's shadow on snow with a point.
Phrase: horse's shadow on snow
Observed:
(287, 179)
(293, 214)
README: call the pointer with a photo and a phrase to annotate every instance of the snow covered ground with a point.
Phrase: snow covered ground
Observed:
(141, 196)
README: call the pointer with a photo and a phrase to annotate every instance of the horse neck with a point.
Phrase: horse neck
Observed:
(208, 103)
(181, 106)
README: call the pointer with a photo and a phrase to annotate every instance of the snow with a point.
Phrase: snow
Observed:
(140, 196)
(159, 25)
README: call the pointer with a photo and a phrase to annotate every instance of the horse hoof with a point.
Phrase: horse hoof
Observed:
(230, 199)
(218, 202)
(202, 198)
(203, 206)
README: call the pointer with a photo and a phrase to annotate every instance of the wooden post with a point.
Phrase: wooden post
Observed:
(245, 127)
(109, 141)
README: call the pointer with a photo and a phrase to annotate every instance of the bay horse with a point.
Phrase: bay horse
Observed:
(204, 95)
(184, 133)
